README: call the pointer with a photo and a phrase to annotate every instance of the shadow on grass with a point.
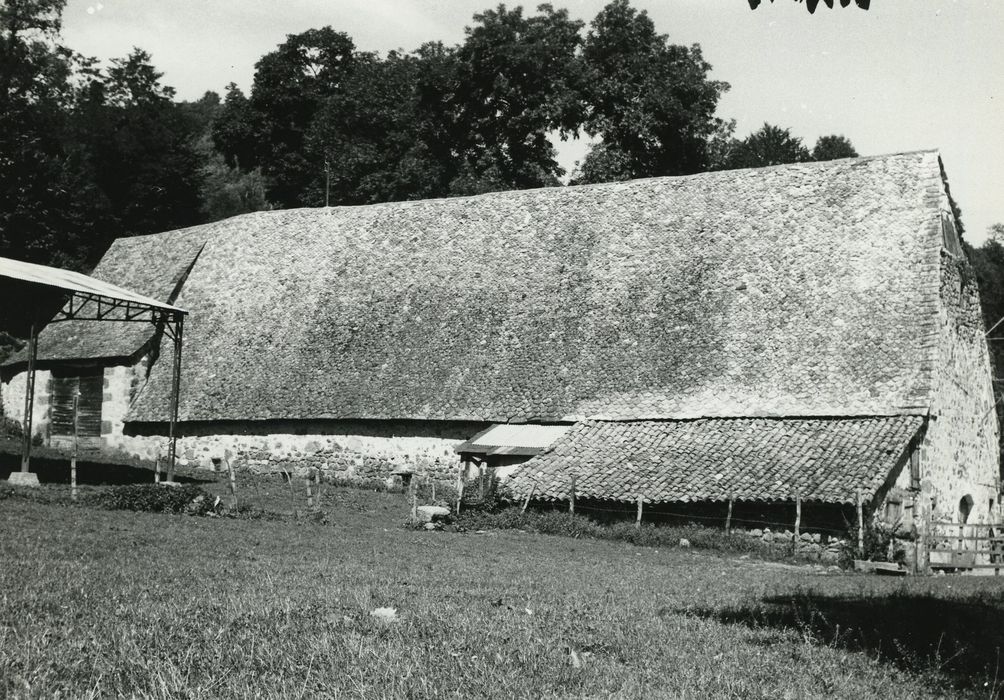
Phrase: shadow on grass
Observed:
(959, 640)
(53, 467)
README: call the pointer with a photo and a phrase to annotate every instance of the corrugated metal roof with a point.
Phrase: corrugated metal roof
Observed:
(75, 282)
(513, 439)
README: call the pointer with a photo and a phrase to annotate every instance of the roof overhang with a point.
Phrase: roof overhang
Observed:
(80, 286)
(524, 439)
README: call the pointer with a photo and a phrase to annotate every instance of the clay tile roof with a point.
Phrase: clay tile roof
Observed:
(153, 266)
(804, 289)
(714, 459)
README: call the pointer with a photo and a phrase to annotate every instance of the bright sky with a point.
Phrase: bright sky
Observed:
(903, 76)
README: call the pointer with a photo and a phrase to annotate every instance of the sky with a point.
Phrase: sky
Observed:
(905, 75)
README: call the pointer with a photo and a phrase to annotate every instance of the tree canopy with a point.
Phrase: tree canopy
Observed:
(91, 151)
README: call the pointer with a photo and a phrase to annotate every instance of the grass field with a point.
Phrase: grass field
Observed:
(97, 603)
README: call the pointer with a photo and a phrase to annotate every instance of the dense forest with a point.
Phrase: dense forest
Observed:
(92, 151)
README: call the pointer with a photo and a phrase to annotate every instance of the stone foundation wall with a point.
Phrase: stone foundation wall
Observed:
(359, 449)
(811, 545)
(959, 455)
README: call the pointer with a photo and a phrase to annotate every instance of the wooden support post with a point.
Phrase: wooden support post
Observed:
(156, 468)
(29, 399)
(481, 481)
(317, 488)
(529, 495)
(798, 515)
(310, 494)
(433, 490)
(861, 526)
(571, 496)
(413, 498)
(460, 483)
(73, 457)
(637, 522)
(728, 517)
(233, 480)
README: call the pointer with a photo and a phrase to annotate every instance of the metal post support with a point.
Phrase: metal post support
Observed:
(179, 321)
(29, 399)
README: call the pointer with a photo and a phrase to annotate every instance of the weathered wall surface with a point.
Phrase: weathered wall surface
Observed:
(347, 449)
(959, 455)
(12, 395)
(359, 449)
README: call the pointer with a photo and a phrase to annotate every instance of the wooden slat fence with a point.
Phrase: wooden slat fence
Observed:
(966, 546)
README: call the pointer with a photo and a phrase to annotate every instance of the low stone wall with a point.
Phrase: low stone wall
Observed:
(812, 545)
(360, 450)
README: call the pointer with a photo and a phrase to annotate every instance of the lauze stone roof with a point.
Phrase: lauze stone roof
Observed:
(806, 289)
(151, 265)
(747, 459)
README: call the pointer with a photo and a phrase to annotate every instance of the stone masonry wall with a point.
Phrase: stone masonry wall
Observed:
(356, 449)
(12, 395)
(959, 455)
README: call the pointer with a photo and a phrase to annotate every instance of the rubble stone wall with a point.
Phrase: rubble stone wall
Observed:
(959, 454)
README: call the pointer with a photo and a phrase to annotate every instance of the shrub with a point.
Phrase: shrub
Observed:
(152, 498)
(552, 522)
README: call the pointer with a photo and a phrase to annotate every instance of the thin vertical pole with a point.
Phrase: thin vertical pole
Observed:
(861, 526)
(460, 482)
(317, 488)
(413, 497)
(637, 522)
(73, 457)
(798, 514)
(29, 399)
(571, 496)
(175, 393)
(728, 518)
(233, 480)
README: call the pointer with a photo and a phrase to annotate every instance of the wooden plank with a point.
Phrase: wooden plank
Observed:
(944, 565)
(976, 538)
(89, 408)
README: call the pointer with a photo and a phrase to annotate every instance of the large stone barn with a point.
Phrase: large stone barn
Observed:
(805, 331)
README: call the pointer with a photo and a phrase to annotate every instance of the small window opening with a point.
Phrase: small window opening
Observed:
(965, 508)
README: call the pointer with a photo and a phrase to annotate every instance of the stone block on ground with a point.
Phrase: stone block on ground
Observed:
(23, 479)
(433, 514)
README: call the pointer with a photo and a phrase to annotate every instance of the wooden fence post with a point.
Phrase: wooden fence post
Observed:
(310, 494)
(317, 488)
(637, 522)
(413, 498)
(728, 517)
(798, 514)
(571, 497)
(233, 479)
(73, 458)
(861, 526)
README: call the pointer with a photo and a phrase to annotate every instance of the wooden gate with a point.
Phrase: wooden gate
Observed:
(966, 547)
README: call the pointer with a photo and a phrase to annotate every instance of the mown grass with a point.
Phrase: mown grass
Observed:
(97, 602)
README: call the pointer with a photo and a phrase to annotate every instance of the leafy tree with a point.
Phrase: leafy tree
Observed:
(141, 147)
(651, 102)
(515, 79)
(811, 5)
(833, 147)
(769, 145)
(370, 137)
(289, 87)
(233, 130)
